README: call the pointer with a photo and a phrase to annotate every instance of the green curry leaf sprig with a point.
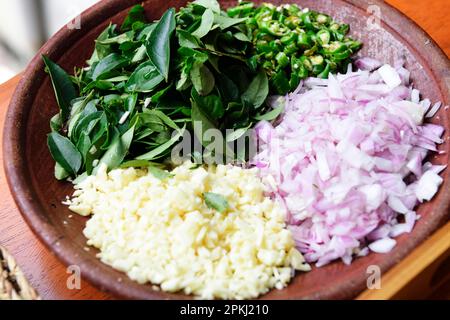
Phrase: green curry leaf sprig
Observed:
(146, 83)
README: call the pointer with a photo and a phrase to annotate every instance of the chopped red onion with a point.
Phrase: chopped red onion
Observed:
(339, 157)
(433, 110)
(383, 245)
(390, 76)
(367, 64)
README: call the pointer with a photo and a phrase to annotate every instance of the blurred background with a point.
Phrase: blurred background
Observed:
(26, 24)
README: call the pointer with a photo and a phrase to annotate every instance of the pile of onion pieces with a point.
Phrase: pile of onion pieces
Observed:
(347, 159)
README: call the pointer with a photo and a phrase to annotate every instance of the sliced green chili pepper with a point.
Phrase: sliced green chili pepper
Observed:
(353, 45)
(306, 19)
(334, 27)
(341, 55)
(294, 81)
(268, 65)
(335, 47)
(311, 50)
(323, 36)
(293, 9)
(280, 82)
(282, 59)
(304, 41)
(276, 45)
(275, 28)
(303, 73)
(344, 28)
(324, 74)
(306, 63)
(292, 22)
(293, 43)
(323, 19)
(288, 39)
(263, 47)
(241, 10)
(290, 49)
(318, 64)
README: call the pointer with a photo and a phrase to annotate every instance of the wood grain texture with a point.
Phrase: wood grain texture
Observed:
(49, 276)
(432, 16)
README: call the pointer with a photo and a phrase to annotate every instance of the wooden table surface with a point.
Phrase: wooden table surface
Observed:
(49, 276)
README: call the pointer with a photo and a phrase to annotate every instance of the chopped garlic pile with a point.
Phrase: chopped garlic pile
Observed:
(162, 232)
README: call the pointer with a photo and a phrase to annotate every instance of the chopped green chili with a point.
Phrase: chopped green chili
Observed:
(296, 43)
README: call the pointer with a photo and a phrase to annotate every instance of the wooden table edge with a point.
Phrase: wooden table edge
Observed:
(423, 269)
(407, 279)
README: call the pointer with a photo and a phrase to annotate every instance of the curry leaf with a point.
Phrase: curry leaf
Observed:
(64, 89)
(187, 40)
(242, 37)
(64, 152)
(226, 22)
(228, 89)
(201, 122)
(60, 173)
(144, 79)
(202, 78)
(130, 102)
(99, 134)
(184, 82)
(86, 124)
(160, 94)
(79, 109)
(120, 39)
(144, 35)
(236, 134)
(216, 201)
(98, 84)
(56, 122)
(118, 150)
(84, 144)
(118, 79)
(75, 125)
(271, 115)
(257, 91)
(139, 55)
(140, 164)
(164, 118)
(158, 45)
(209, 4)
(102, 50)
(211, 105)
(205, 25)
(136, 14)
(124, 106)
(159, 173)
(157, 152)
(108, 64)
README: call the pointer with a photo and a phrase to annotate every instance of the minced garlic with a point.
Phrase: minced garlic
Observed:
(162, 232)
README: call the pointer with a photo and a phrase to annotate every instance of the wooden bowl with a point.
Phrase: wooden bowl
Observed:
(38, 195)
